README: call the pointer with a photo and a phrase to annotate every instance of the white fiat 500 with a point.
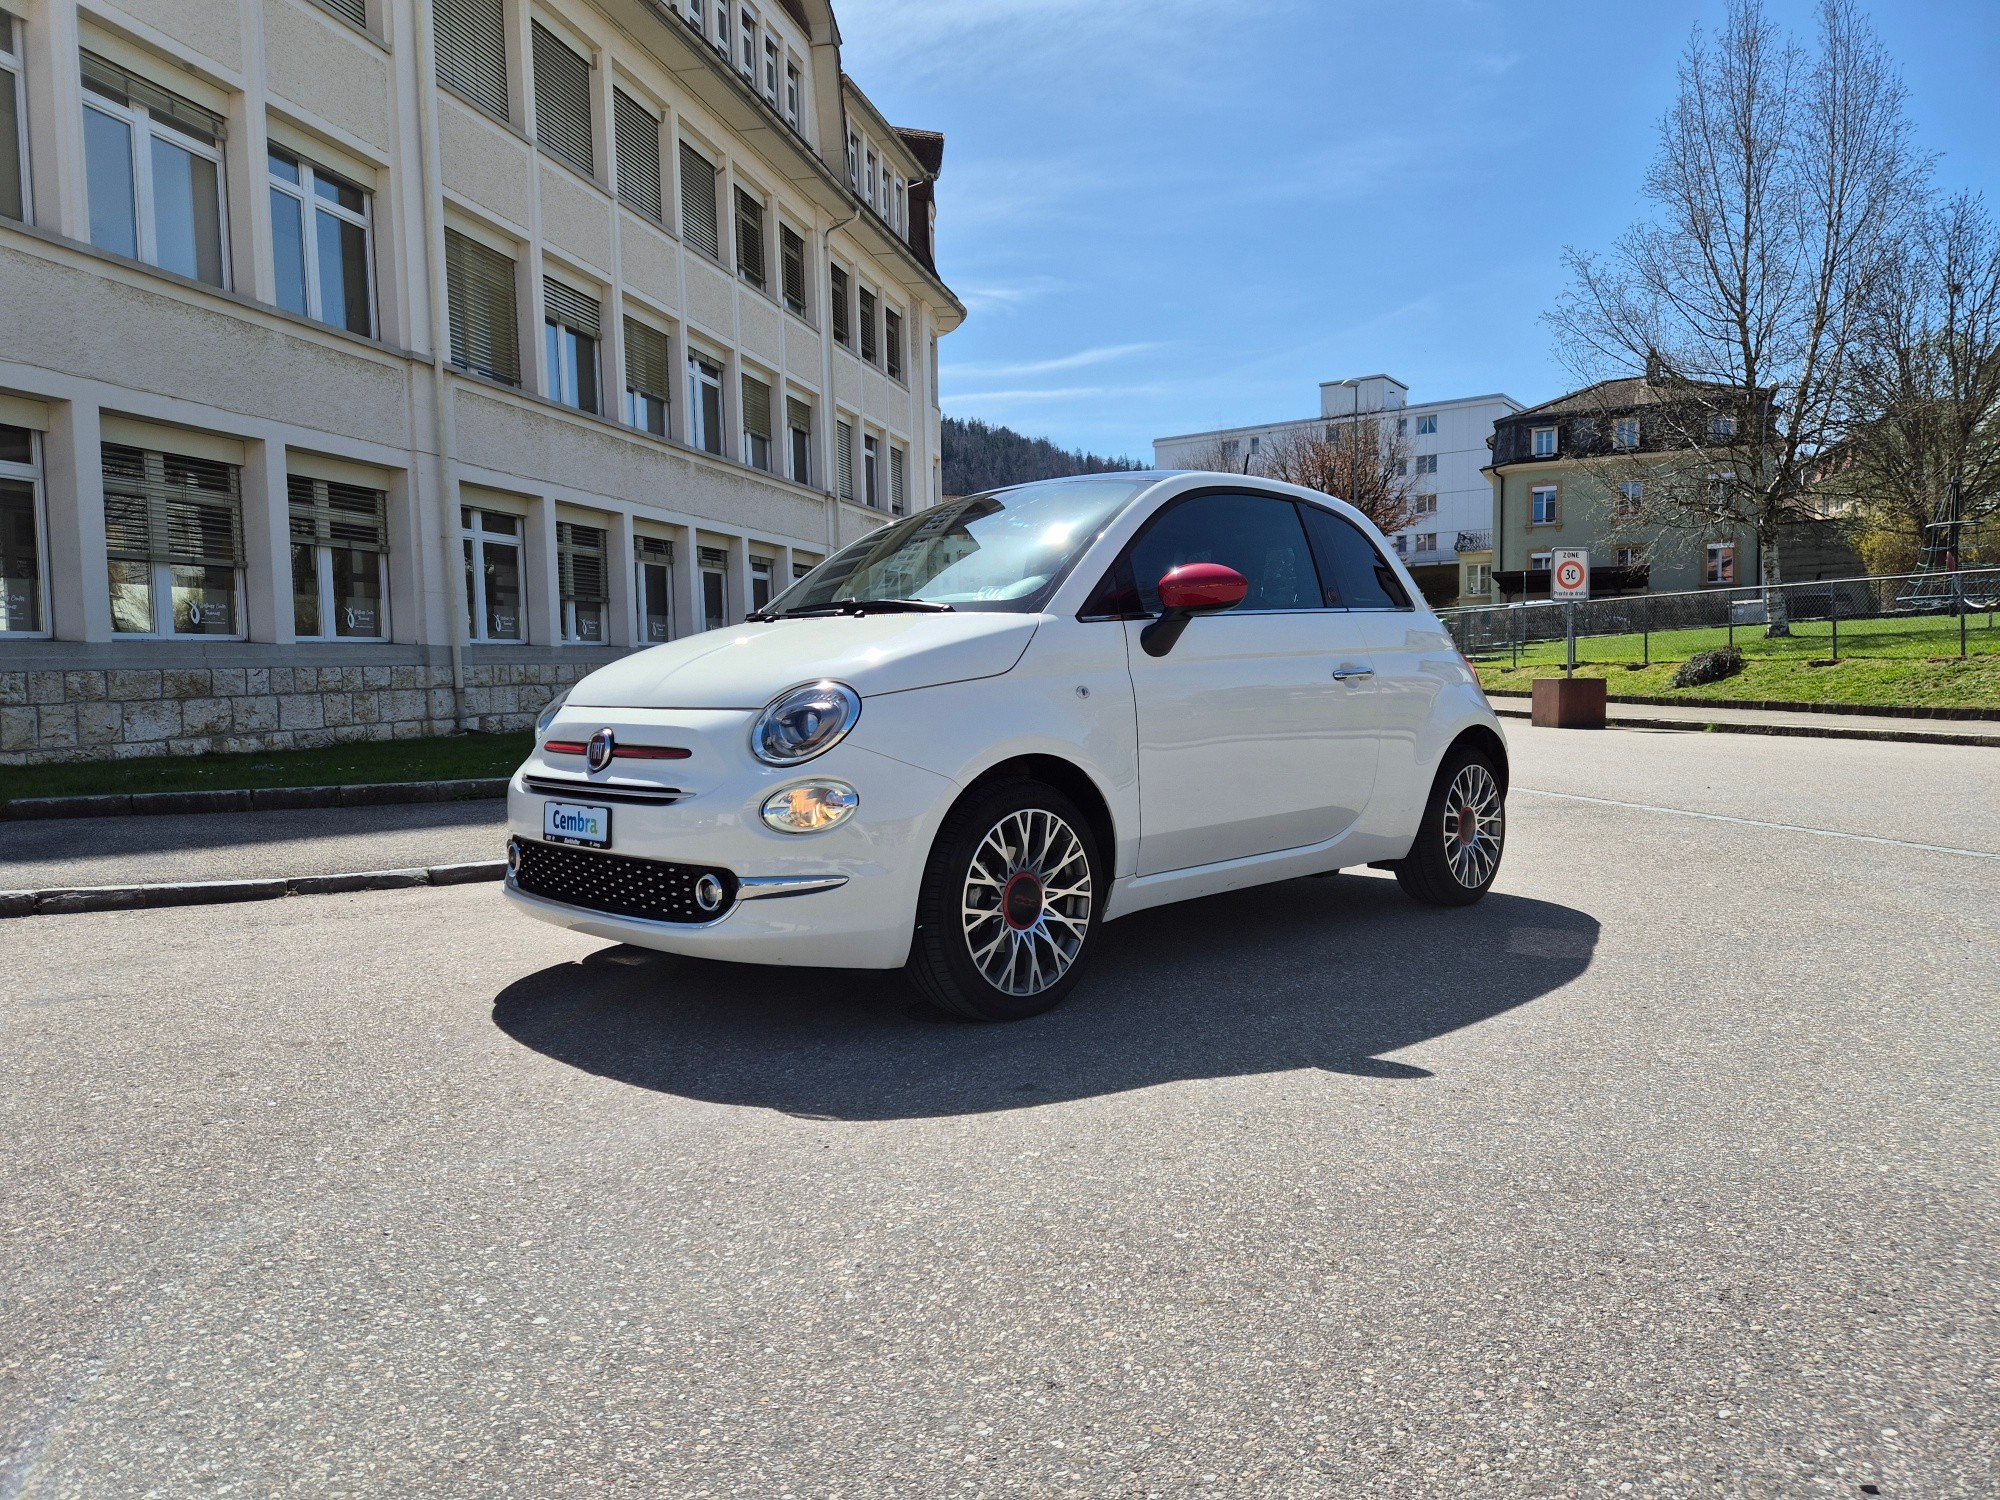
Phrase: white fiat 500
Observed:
(961, 744)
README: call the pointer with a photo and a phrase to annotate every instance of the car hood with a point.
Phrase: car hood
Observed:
(746, 666)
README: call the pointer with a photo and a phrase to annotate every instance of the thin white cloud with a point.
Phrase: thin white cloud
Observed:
(1103, 354)
(1063, 393)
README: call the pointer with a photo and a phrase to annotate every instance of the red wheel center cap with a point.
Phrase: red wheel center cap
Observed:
(1468, 825)
(1021, 901)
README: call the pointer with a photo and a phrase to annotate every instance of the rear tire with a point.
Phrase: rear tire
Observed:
(1462, 836)
(1009, 905)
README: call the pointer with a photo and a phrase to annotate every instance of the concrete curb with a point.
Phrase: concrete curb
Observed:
(66, 900)
(1616, 720)
(261, 799)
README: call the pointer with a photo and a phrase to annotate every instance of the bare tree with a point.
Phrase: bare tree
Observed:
(1357, 459)
(1219, 457)
(1926, 383)
(1780, 179)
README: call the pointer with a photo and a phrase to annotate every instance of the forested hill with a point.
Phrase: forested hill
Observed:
(979, 456)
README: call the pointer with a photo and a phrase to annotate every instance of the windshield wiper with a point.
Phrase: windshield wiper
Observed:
(859, 607)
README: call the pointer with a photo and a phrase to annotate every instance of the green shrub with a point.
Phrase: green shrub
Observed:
(1708, 666)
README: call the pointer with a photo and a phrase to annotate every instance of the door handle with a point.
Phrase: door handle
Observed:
(1347, 669)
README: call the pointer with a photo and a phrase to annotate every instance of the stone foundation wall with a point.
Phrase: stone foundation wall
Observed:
(122, 712)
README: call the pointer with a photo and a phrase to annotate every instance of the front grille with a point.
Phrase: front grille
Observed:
(617, 885)
(603, 791)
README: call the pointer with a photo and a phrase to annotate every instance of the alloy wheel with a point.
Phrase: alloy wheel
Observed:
(1026, 905)
(1474, 825)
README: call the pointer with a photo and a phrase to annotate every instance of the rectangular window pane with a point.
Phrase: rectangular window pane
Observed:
(131, 597)
(343, 274)
(357, 593)
(204, 599)
(187, 219)
(714, 601)
(305, 589)
(107, 147)
(11, 203)
(502, 573)
(288, 251)
(485, 335)
(20, 558)
(655, 609)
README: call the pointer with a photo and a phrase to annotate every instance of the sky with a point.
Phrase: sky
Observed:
(1166, 216)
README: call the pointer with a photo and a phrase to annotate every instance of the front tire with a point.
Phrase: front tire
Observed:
(1463, 834)
(1009, 905)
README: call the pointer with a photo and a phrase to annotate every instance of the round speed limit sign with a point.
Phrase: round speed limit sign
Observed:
(1569, 575)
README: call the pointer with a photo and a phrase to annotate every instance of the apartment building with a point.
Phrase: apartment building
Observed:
(374, 368)
(1443, 447)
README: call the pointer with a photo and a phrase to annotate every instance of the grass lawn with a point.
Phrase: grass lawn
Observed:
(1876, 682)
(447, 758)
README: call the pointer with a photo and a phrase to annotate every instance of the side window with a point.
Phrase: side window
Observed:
(1257, 535)
(1355, 573)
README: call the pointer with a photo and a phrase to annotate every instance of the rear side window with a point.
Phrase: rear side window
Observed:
(1257, 535)
(1352, 568)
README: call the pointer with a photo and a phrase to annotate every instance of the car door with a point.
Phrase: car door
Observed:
(1255, 731)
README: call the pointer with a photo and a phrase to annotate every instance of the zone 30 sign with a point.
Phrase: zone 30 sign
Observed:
(1571, 576)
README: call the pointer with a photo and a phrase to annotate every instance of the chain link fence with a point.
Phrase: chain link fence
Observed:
(1899, 615)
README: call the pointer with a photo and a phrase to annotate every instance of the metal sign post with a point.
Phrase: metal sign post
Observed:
(1569, 581)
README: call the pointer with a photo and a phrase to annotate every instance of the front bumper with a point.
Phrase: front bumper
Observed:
(844, 898)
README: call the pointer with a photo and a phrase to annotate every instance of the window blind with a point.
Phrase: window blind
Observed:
(842, 332)
(714, 557)
(570, 307)
(472, 52)
(843, 459)
(349, 10)
(867, 325)
(655, 549)
(798, 414)
(792, 255)
(328, 513)
(479, 290)
(892, 341)
(167, 508)
(107, 78)
(637, 141)
(562, 101)
(756, 407)
(750, 239)
(698, 202)
(580, 563)
(896, 480)
(646, 361)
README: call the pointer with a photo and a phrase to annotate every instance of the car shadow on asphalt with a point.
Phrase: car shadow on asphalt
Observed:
(1328, 973)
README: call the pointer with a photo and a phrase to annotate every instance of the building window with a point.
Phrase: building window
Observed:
(792, 268)
(756, 423)
(1478, 580)
(1544, 442)
(792, 94)
(771, 69)
(581, 581)
(843, 459)
(698, 225)
(1427, 541)
(1402, 545)
(21, 583)
(747, 61)
(352, 11)
(871, 475)
(722, 28)
(319, 244)
(646, 383)
(153, 161)
(173, 529)
(892, 342)
(1625, 433)
(798, 419)
(653, 590)
(694, 16)
(1631, 497)
(843, 324)
(636, 144)
(492, 544)
(750, 239)
(1426, 505)
(1721, 429)
(760, 582)
(562, 101)
(704, 404)
(1427, 463)
(339, 535)
(898, 481)
(714, 588)
(570, 326)
(13, 124)
(1541, 562)
(1721, 564)
(868, 178)
(868, 339)
(1629, 557)
(1542, 505)
(1427, 426)
(1402, 427)
(854, 161)
(472, 53)
(479, 289)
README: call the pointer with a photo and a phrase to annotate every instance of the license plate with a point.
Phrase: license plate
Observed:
(573, 823)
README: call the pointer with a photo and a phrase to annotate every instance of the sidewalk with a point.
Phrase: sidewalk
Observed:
(1831, 726)
(248, 846)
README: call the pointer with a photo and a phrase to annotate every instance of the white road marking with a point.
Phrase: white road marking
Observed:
(1825, 833)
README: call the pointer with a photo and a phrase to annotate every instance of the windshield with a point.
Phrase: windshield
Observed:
(1003, 551)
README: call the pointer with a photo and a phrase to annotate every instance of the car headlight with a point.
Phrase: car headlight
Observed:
(549, 711)
(811, 807)
(804, 722)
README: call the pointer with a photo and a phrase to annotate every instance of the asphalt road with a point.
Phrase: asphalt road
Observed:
(1669, 1170)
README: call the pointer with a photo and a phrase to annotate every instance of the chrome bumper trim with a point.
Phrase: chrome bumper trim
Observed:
(764, 887)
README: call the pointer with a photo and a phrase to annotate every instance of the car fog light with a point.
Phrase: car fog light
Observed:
(708, 893)
(513, 854)
(810, 807)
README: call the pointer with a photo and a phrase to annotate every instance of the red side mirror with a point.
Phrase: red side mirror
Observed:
(1202, 586)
